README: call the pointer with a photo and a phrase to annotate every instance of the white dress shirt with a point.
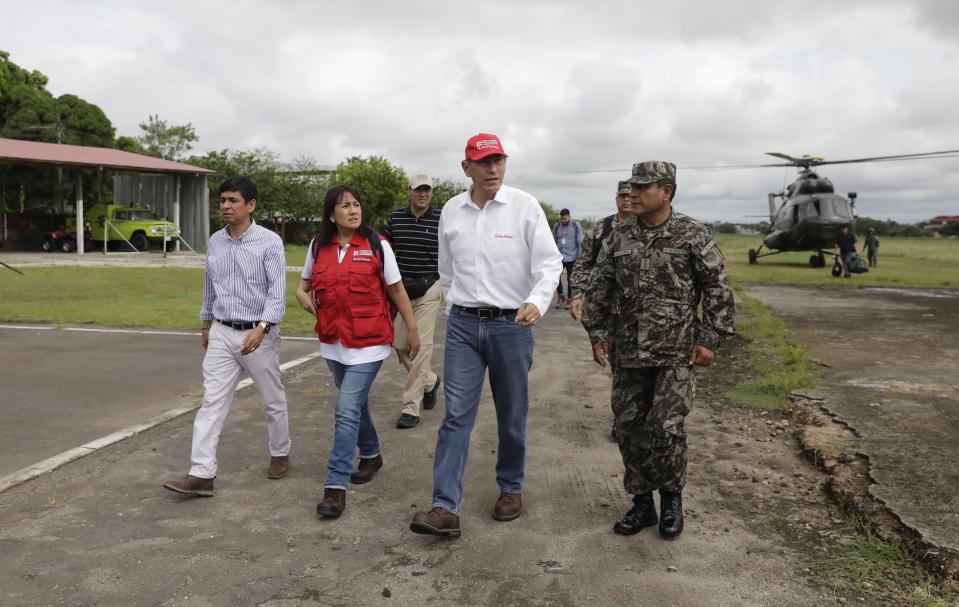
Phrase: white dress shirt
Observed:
(500, 256)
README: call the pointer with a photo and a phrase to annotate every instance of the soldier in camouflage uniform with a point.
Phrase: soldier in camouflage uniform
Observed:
(592, 241)
(583, 268)
(654, 273)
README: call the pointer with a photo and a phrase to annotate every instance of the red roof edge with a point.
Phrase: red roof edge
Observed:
(15, 151)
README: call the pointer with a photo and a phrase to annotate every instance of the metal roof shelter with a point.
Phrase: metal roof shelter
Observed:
(14, 151)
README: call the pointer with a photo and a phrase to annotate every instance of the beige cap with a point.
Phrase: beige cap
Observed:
(420, 180)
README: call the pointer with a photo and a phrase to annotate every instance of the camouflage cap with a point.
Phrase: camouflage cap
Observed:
(624, 187)
(651, 171)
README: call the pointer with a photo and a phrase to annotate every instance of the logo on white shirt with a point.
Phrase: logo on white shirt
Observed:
(500, 235)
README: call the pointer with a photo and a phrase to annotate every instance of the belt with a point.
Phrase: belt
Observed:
(238, 325)
(485, 312)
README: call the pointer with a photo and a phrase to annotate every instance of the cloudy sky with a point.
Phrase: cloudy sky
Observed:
(568, 86)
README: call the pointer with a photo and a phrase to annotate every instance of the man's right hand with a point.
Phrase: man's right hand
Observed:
(205, 333)
(601, 353)
(576, 308)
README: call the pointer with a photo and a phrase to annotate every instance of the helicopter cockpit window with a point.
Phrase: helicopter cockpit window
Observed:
(809, 210)
(842, 210)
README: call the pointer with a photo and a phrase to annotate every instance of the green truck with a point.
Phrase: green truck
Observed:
(140, 227)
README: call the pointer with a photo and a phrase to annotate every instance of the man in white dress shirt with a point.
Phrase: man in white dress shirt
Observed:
(499, 264)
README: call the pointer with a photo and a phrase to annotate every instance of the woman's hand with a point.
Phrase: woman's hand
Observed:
(305, 298)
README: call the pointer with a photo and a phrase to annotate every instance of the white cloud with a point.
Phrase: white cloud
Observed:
(567, 85)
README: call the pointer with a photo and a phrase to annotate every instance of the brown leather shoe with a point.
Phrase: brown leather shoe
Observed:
(279, 466)
(333, 504)
(508, 506)
(438, 521)
(366, 469)
(192, 485)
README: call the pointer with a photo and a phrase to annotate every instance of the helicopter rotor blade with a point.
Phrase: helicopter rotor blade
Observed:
(921, 156)
(807, 162)
(713, 167)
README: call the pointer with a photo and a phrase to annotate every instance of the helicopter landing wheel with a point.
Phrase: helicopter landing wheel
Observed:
(817, 261)
(753, 257)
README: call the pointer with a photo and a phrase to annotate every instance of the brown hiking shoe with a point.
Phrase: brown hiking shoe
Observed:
(366, 469)
(438, 521)
(192, 485)
(508, 506)
(333, 504)
(279, 466)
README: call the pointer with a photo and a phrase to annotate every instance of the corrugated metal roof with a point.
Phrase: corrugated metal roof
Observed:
(13, 151)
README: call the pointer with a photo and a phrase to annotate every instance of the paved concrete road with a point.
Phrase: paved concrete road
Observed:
(102, 531)
(894, 377)
(61, 388)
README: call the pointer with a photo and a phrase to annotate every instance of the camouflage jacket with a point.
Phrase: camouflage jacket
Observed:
(652, 281)
(583, 268)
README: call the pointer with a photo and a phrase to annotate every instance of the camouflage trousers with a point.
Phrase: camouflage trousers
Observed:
(650, 405)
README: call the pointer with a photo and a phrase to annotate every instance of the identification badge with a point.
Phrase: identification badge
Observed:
(562, 241)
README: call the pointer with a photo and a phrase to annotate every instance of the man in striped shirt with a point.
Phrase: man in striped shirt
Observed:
(412, 232)
(244, 297)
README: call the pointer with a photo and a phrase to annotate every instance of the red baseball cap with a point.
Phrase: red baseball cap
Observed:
(482, 145)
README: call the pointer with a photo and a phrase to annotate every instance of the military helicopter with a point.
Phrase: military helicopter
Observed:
(811, 212)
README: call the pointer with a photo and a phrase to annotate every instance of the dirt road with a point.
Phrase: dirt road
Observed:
(893, 377)
(102, 531)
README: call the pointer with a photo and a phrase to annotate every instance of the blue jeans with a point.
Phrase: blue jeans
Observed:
(473, 345)
(846, 258)
(354, 424)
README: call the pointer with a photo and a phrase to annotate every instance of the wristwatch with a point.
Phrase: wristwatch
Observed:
(266, 326)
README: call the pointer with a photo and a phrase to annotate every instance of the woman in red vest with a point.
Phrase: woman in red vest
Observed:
(349, 278)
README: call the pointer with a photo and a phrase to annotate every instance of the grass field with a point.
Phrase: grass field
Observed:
(159, 298)
(903, 262)
(169, 298)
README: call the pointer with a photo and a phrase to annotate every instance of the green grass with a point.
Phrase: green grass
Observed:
(170, 298)
(903, 262)
(876, 568)
(779, 366)
(159, 298)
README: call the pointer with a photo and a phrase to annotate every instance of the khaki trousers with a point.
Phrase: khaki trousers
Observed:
(421, 378)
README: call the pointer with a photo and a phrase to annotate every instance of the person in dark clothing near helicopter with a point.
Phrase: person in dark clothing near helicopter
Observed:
(846, 243)
(872, 247)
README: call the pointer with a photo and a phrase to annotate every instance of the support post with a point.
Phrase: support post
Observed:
(79, 205)
(176, 214)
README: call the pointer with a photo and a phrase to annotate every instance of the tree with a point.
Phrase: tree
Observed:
(444, 189)
(28, 111)
(129, 144)
(165, 141)
(289, 195)
(552, 215)
(381, 185)
(82, 123)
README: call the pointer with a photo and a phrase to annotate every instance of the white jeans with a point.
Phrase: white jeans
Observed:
(223, 366)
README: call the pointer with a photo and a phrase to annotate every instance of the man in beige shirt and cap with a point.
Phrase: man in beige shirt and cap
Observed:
(412, 232)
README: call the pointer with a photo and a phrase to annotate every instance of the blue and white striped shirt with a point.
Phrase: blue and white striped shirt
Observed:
(245, 277)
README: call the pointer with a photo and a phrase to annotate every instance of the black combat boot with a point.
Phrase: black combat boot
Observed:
(642, 514)
(670, 514)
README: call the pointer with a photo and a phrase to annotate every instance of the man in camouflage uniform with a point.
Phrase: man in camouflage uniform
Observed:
(654, 273)
(583, 268)
(592, 241)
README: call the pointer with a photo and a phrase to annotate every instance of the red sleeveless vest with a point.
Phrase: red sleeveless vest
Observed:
(351, 301)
